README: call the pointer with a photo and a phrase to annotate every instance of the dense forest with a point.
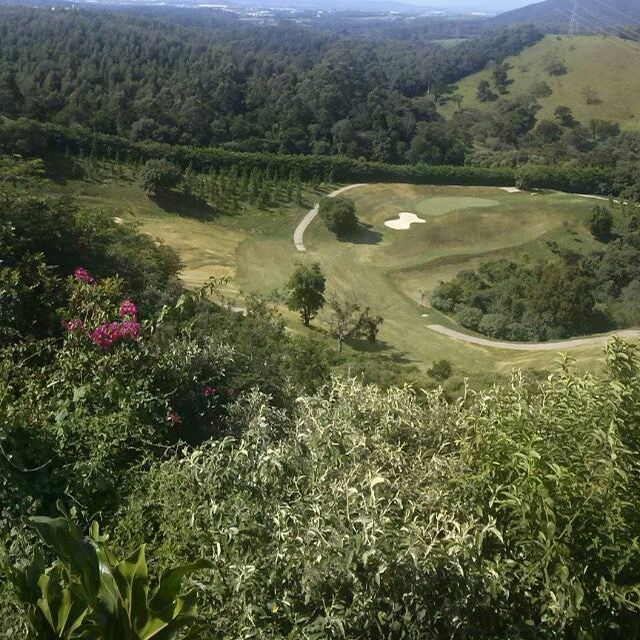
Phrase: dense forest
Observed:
(280, 88)
(286, 88)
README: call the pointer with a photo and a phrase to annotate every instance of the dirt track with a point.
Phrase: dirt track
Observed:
(559, 345)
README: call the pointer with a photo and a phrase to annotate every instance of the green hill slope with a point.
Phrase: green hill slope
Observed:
(603, 67)
(553, 15)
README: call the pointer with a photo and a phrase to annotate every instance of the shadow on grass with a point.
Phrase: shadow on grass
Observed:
(364, 234)
(184, 206)
(60, 169)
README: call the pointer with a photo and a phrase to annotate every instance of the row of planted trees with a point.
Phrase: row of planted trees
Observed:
(229, 189)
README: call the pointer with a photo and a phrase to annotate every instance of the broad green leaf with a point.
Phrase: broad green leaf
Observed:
(171, 581)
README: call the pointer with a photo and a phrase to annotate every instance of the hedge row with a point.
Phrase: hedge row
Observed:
(31, 138)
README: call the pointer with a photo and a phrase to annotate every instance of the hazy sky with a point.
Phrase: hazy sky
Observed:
(485, 6)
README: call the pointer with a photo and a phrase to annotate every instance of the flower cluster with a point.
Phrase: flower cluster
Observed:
(83, 275)
(74, 325)
(174, 418)
(107, 334)
(128, 309)
(208, 391)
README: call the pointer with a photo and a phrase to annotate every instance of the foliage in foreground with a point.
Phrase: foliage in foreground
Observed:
(509, 514)
(89, 594)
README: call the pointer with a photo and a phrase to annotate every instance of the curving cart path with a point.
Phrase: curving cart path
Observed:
(298, 234)
(558, 345)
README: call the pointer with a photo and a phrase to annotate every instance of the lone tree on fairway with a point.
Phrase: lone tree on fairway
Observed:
(159, 175)
(346, 321)
(306, 291)
(339, 214)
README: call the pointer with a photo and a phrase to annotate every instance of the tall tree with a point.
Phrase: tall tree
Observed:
(306, 291)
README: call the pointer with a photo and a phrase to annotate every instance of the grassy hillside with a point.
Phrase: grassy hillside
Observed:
(553, 15)
(382, 268)
(604, 66)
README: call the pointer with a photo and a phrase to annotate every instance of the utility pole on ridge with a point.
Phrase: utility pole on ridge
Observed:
(573, 23)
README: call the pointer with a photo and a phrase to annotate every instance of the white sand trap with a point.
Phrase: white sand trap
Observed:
(511, 189)
(403, 221)
(118, 220)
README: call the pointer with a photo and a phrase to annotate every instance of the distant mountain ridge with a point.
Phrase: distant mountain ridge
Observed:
(592, 16)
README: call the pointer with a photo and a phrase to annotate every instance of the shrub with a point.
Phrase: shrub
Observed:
(160, 175)
(494, 325)
(468, 317)
(484, 93)
(601, 223)
(88, 593)
(339, 214)
(446, 296)
(366, 516)
(441, 370)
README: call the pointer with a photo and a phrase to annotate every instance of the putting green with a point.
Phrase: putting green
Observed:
(434, 207)
(387, 270)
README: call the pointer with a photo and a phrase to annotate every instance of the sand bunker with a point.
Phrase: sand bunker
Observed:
(403, 221)
(511, 189)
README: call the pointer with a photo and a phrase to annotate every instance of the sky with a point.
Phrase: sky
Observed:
(483, 6)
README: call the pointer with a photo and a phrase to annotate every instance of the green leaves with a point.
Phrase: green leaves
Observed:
(86, 593)
(63, 610)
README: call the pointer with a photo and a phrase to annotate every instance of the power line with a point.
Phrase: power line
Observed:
(604, 4)
(611, 24)
(597, 30)
(573, 21)
(590, 25)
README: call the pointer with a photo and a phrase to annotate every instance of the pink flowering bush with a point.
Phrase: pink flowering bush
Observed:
(128, 309)
(208, 391)
(107, 334)
(93, 310)
(83, 275)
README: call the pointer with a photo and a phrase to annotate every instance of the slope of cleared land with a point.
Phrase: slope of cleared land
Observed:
(379, 267)
(605, 69)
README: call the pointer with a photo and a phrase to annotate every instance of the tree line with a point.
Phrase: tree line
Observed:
(33, 139)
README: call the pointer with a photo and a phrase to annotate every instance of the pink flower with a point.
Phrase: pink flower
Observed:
(83, 275)
(174, 418)
(208, 391)
(73, 325)
(107, 334)
(128, 309)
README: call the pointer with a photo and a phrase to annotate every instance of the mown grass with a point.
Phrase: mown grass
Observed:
(378, 267)
(606, 66)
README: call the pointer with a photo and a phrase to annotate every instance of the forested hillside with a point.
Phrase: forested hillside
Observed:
(278, 89)
(289, 89)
